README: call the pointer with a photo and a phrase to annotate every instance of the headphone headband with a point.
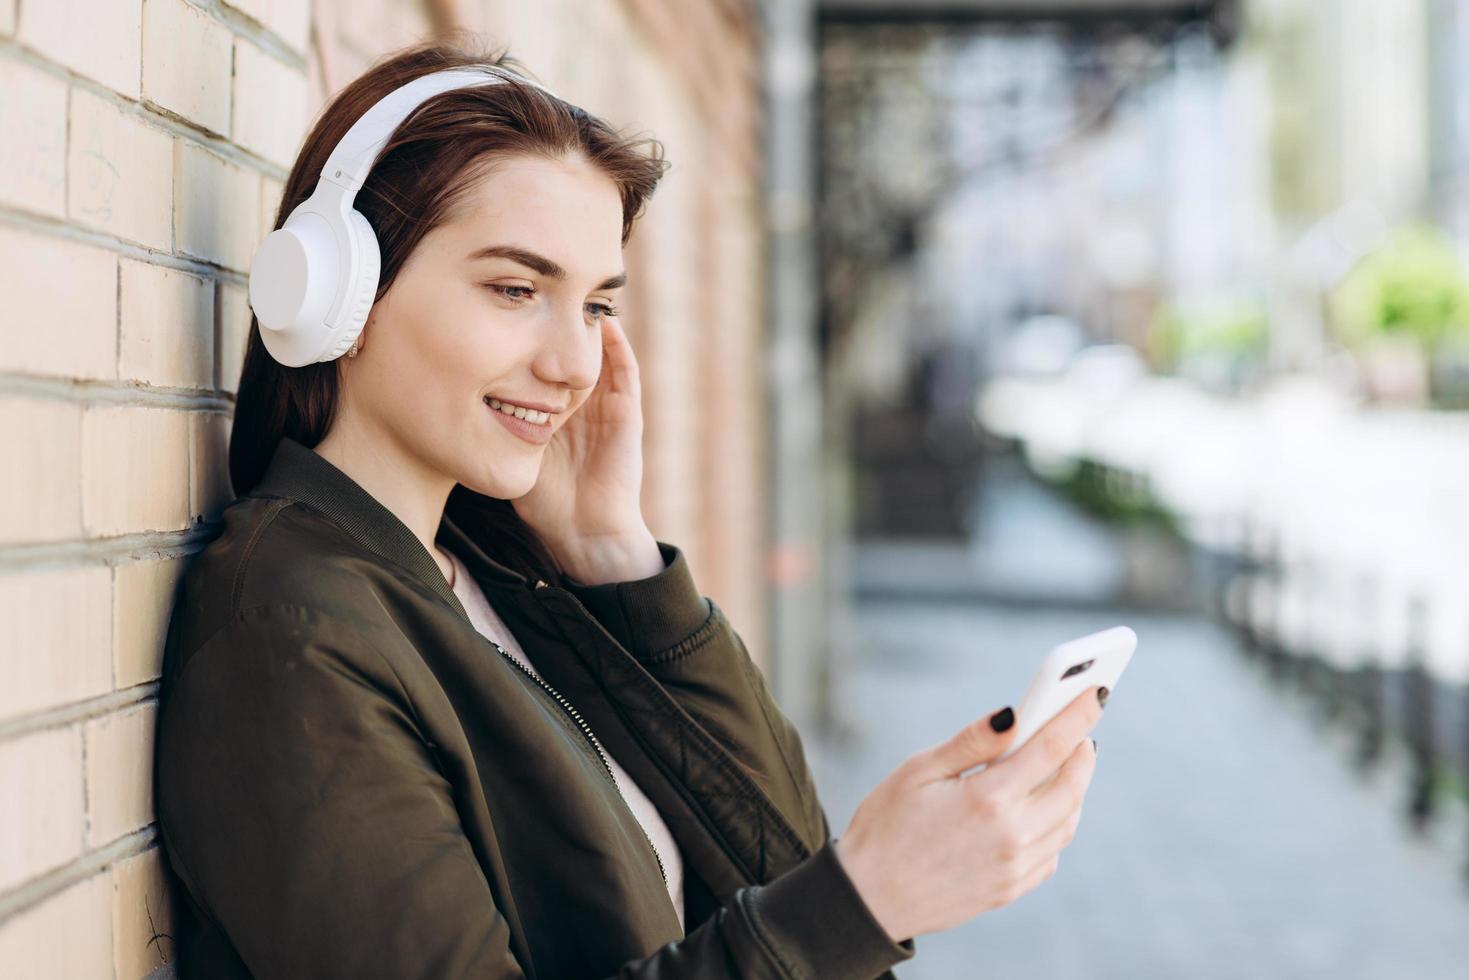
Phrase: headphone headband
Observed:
(356, 152)
(313, 280)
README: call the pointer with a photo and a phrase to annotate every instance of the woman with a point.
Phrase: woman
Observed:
(435, 703)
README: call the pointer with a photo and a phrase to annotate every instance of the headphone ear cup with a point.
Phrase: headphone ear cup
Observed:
(293, 280)
(363, 284)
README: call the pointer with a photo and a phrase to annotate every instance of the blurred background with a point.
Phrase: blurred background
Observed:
(966, 326)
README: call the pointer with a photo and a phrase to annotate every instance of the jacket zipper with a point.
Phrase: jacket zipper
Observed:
(585, 730)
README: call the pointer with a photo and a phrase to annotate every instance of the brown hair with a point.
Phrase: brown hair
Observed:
(427, 167)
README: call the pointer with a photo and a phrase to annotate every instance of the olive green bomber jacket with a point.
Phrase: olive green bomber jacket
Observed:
(352, 782)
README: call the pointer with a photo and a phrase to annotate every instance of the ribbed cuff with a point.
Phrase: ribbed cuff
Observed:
(817, 923)
(648, 615)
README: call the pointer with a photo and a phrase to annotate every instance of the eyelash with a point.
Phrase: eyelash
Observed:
(607, 310)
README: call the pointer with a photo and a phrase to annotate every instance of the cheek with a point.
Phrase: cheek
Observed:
(419, 377)
(451, 320)
(470, 353)
(420, 372)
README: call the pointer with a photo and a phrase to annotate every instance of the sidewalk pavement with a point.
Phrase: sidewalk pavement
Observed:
(1225, 834)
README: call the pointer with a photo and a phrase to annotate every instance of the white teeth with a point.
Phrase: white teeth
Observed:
(529, 414)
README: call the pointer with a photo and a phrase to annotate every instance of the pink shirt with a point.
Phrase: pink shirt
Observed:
(484, 618)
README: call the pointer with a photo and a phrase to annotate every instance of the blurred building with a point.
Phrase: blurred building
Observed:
(1448, 150)
(1225, 165)
(984, 164)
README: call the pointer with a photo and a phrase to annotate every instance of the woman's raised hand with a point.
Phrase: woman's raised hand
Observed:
(929, 849)
(585, 505)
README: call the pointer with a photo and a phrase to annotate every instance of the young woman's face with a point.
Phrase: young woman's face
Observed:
(502, 302)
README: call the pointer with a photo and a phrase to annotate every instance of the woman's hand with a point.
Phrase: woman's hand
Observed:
(928, 849)
(585, 504)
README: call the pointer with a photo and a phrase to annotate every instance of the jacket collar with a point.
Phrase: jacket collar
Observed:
(301, 473)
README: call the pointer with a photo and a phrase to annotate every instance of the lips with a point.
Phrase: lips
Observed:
(536, 433)
(531, 413)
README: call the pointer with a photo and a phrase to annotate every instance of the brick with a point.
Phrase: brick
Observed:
(56, 631)
(119, 172)
(33, 153)
(119, 773)
(67, 935)
(40, 803)
(234, 332)
(135, 469)
(209, 476)
(62, 297)
(103, 41)
(186, 63)
(216, 208)
(166, 326)
(40, 500)
(143, 906)
(142, 600)
(290, 20)
(269, 105)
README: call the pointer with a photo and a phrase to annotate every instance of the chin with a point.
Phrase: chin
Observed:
(504, 485)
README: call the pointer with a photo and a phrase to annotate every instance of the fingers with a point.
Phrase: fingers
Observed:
(975, 743)
(617, 351)
(1060, 799)
(1046, 750)
(1058, 811)
(1048, 850)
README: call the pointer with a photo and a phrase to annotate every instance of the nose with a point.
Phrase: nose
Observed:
(571, 351)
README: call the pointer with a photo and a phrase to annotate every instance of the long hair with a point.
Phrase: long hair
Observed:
(427, 168)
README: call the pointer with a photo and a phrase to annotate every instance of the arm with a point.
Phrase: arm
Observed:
(270, 741)
(685, 641)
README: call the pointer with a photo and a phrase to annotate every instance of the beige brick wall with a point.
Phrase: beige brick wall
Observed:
(145, 145)
(142, 162)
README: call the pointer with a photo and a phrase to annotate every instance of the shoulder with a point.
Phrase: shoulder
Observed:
(281, 699)
(276, 566)
(274, 678)
(264, 640)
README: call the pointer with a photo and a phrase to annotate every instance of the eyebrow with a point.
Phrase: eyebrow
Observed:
(538, 262)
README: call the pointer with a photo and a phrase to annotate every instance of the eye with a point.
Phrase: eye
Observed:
(507, 290)
(519, 294)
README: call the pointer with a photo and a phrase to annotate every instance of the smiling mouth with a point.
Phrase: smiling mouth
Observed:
(528, 414)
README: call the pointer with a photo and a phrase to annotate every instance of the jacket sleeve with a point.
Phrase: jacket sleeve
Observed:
(687, 643)
(303, 811)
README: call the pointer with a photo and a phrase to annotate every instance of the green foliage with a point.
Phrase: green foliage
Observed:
(1413, 286)
(1235, 327)
(1115, 497)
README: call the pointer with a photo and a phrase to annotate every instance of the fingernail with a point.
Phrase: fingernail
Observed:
(1094, 746)
(1001, 721)
(1102, 696)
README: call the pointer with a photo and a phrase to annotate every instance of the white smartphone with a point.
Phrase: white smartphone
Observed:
(1096, 659)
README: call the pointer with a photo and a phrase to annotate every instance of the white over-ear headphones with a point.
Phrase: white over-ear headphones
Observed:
(312, 281)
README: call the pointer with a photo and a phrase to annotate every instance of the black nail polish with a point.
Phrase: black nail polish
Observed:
(1094, 746)
(1102, 696)
(1001, 721)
